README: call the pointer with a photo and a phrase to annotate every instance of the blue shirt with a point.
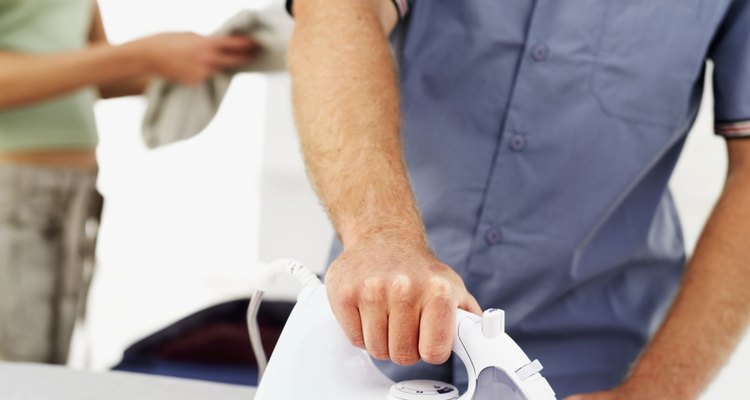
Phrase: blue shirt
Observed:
(540, 137)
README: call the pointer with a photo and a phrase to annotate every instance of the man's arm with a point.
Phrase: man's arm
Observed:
(712, 310)
(183, 57)
(388, 291)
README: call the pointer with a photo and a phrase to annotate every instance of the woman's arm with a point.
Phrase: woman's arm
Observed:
(130, 86)
(27, 78)
(182, 57)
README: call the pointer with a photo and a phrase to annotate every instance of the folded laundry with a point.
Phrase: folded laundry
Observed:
(176, 112)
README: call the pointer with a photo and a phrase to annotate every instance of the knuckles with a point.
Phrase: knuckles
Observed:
(441, 291)
(348, 294)
(383, 289)
(374, 290)
(402, 290)
(439, 286)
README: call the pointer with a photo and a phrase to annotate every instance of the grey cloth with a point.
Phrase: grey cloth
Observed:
(46, 258)
(37, 382)
(176, 112)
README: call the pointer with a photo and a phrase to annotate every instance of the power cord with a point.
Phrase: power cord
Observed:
(279, 267)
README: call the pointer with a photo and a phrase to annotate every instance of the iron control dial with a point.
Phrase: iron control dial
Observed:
(423, 390)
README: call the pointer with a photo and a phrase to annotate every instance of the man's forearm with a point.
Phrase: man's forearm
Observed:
(347, 111)
(389, 293)
(712, 310)
(27, 78)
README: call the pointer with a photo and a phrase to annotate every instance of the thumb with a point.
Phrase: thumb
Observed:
(471, 305)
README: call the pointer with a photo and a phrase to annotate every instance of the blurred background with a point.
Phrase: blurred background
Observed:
(184, 225)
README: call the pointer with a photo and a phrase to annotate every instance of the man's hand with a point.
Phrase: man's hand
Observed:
(190, 58)
(397, 301)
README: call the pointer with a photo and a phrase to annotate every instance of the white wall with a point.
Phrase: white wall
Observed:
(181, 227)
(183, 223)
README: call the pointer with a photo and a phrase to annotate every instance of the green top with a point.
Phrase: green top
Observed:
(39, 27)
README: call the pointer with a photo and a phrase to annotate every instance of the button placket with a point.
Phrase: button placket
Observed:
(493, 236)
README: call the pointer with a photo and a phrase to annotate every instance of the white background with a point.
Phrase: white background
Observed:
(184, 225)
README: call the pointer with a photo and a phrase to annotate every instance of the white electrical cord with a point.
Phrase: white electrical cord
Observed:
(252, 327)
(279, 267)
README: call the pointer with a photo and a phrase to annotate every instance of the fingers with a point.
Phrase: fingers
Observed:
(374, 315)
(402, 314)
(231, 51)
(229, 60)
(403, 323)
(346, 309)
(190, 59)
(437, 323)
(233, 43)
(351, 323)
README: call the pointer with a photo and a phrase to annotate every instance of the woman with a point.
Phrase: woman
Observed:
(55, 62)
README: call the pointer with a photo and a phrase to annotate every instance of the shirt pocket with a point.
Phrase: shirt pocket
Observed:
(650, 55)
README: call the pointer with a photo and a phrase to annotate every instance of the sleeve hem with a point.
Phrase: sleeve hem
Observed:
(289, 7)
(733, 129)
(402, 7)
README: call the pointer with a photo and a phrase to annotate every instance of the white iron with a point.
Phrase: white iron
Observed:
(313, 360)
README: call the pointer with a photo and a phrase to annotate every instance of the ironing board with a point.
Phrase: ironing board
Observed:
(41, 382)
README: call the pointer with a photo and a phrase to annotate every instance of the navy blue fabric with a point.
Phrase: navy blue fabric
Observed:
(211, 344)
(540, 137)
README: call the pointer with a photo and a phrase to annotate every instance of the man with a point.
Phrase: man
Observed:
(54, 62)
(539, 138)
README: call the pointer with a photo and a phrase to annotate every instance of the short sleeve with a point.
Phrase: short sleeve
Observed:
(289, 4)
(730, 53)
(402, 7)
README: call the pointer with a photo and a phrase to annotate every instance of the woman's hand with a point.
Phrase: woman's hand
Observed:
(190, 58)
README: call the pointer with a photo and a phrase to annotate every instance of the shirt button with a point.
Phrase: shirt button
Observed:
(493, 236)
(518, 143)
(540, 52)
